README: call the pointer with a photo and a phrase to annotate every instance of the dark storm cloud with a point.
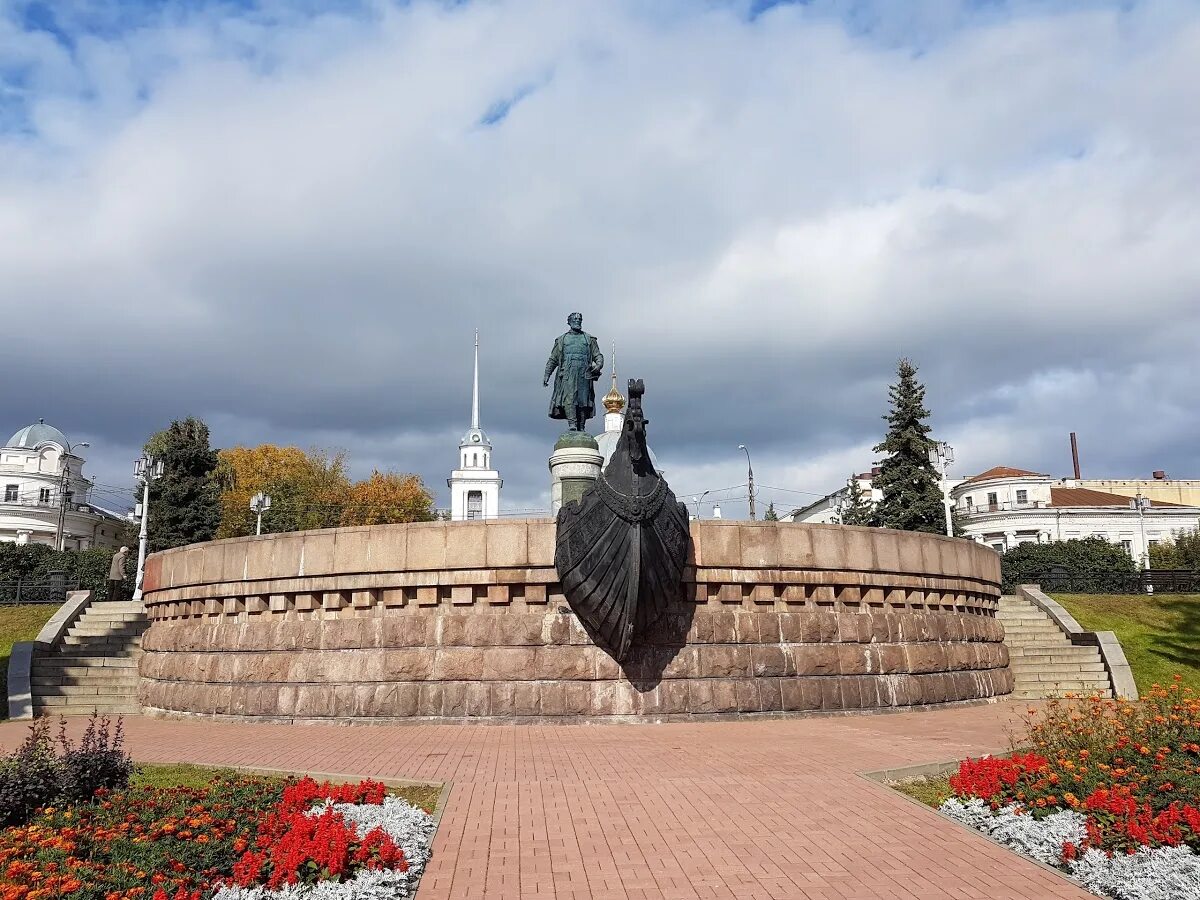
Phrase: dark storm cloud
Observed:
(763, 211)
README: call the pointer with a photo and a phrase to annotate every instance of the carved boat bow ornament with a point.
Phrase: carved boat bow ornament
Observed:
(620, 550)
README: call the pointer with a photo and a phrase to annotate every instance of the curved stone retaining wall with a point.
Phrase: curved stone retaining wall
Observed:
(450, 620)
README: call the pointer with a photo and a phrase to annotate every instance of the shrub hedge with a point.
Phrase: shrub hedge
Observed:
(1087, 566)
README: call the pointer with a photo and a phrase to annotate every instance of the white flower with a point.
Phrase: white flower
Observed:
(410, 827)
(1153, 873)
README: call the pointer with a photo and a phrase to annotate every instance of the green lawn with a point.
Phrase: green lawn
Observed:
(188, 775)
(932, 791)
(19, 623)
(1160, 632)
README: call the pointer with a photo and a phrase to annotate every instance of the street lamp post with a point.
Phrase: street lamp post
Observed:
(1141, 504)
(698, 501)
(259, 504)
(148, 469)
(750, 478)
(64, 478)
(941, 455)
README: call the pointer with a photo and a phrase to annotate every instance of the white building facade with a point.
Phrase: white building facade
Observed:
(828, 510)
(41, 476)
(1004, 507)
(475, 485)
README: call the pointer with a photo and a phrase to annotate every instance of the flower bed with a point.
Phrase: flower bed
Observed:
(1108, 791)
(238, 838)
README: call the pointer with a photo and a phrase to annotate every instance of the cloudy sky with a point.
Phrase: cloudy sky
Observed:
(288, 218)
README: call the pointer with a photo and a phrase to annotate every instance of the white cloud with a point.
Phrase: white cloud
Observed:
(290, 224)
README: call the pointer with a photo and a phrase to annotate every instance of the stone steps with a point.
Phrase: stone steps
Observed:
(90, 640)
(1049, 664)
(134, 630)
(1044, 662)
(94, 666)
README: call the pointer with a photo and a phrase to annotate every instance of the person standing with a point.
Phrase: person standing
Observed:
(116, 575)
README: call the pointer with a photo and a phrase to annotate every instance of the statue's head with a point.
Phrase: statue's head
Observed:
(575, 321)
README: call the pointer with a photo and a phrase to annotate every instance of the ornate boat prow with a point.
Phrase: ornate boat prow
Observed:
(620, 550)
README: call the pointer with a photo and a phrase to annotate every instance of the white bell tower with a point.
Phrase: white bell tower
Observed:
(474, 485)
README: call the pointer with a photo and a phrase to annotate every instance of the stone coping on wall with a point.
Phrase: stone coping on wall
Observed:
(349, 571)
(529, 544)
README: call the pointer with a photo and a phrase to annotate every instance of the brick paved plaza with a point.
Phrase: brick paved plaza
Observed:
(639, 812)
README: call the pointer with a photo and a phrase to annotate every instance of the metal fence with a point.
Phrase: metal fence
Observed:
(50, 588)
(1159, 581)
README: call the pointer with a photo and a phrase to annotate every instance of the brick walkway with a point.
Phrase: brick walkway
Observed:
(770, 809)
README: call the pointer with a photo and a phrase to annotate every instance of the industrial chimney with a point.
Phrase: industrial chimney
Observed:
(1075, 455)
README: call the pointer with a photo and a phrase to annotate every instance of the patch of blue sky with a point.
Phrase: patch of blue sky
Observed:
(498, 111)
(920, 25)
(68, 20)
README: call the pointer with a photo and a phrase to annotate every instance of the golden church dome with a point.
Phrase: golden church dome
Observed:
(613, 401)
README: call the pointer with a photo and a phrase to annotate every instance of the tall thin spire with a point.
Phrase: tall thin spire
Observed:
(613, 401)
(475, 387)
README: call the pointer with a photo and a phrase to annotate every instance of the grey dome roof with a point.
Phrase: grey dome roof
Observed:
(475, 437)
(34, 435)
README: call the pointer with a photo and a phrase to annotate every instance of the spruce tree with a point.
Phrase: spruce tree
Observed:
(185, 503)
(771, 515)
(855, 510)
(912, 497)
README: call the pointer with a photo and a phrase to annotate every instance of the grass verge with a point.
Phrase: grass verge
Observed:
(1160, 633)
(192, 776)
(19, 623)
(931, 791)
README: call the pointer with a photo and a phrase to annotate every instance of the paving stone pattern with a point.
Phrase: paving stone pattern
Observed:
(764, 809)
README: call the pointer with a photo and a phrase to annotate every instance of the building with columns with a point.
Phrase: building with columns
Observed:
(475, 485)
(41, 475)
(1004, 507)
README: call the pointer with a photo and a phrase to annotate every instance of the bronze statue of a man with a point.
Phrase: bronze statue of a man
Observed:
(577, 359)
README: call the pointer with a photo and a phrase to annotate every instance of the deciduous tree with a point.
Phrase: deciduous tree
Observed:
(388, 497)
(307, 489)
(1180, 552)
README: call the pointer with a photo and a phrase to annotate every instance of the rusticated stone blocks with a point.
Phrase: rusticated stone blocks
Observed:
(465, 620)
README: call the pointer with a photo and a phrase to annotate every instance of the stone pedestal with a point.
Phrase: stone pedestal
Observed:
(574, 466)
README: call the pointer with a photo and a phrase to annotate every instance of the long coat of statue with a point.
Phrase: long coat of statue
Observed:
(573, 383)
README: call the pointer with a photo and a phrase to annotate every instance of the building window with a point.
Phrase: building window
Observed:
(1022, 497)
(1128, 545)
(43, 495)
(999, 548)
(969, 503)
(993, 503)
(10, 493)
(474, 504)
